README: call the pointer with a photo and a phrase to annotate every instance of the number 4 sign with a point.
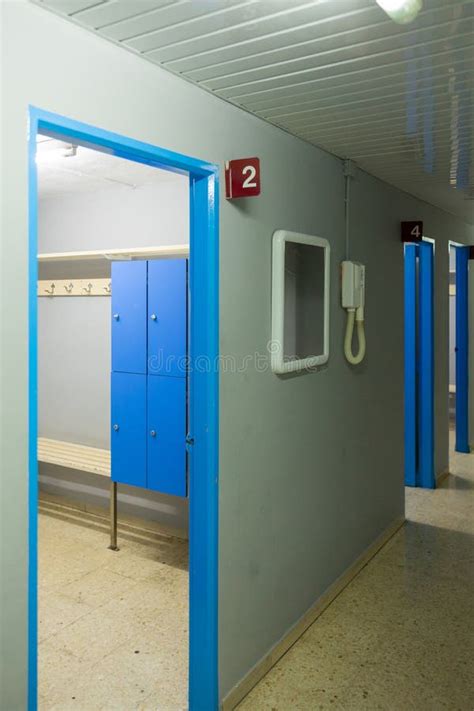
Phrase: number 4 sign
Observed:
(242, 178)
(412, 231)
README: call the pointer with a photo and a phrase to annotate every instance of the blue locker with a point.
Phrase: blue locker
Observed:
(129, 322)
(167, 310)
(128, 436)
(166, 448)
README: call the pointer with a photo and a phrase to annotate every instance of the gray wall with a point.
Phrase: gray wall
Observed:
(74, 333)
(310, 466)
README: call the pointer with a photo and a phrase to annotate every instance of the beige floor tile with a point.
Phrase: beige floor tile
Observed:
(148, 670)
(56, 612)
(99, 587)
(113, 625)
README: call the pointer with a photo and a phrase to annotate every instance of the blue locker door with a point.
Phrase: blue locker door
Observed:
(167, 309)
(462, 350)
(128, 435)
(167, 435)
(129, 322)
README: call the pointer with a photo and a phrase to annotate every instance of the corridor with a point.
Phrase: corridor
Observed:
(400, 636)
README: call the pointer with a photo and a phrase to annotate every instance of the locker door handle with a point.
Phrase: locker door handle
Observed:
(116, 317)
(153, 317)
(153, 433)
(116, 428)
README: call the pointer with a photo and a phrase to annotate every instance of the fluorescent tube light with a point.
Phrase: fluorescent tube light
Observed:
(401, 11)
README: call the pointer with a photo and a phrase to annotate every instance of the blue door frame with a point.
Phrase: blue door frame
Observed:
(203, 387)
(462, 349)
(419, 365)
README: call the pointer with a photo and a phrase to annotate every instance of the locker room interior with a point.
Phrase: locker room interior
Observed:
(112, 380)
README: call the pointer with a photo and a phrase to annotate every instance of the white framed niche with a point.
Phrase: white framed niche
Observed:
(300, 302)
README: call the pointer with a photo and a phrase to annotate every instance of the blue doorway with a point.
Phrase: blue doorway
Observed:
(419, 365)
(461, 348)
(202, 440)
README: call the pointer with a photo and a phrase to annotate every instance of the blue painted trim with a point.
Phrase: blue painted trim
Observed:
(410, 366)
(427, 478)
(462, 350)
(32, 419)
(113, 143)
(204, 389)
(203, 562)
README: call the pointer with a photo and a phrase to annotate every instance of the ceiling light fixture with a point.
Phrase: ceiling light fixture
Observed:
(401, 11)
(54, 152)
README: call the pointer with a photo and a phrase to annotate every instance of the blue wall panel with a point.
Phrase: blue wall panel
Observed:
(129, 322)
(128, 435)
(166, 448)
(462, 350)
(167, 309)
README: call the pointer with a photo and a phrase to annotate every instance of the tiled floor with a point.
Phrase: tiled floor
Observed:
(400, 637)
(113, 626)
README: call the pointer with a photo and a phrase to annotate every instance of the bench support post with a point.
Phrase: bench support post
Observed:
(113, 516)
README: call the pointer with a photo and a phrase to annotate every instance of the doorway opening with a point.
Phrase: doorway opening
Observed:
(459, 347)
(115, 220)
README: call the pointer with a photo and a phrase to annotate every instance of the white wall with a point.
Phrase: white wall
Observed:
(311, 467)
(74, 333)
(121, 216)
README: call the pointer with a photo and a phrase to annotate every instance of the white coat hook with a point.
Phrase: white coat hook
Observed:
(78, 287)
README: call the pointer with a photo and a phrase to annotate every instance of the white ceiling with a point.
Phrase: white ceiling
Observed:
(397, 99)
(62, 171)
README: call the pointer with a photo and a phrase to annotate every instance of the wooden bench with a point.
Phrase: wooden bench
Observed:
(85, 459)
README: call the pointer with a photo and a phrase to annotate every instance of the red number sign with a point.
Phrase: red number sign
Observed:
(242, 178)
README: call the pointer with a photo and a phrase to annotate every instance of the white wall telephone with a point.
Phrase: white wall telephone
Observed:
(353, 299)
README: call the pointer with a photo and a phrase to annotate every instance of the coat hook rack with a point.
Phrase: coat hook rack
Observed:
(75, 287)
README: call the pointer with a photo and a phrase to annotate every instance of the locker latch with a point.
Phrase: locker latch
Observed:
(189, 442)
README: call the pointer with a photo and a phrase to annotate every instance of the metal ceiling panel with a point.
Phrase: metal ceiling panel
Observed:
(249, 28)
(339, 74)
(110, 13)
(175, 23)
(69, 7)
